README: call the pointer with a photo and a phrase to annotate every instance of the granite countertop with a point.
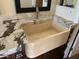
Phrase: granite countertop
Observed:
(10, 32)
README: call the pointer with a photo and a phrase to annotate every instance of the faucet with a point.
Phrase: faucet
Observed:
(37, 14)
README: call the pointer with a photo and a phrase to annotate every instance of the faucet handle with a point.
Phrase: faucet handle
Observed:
(37, 9)
(37, 12)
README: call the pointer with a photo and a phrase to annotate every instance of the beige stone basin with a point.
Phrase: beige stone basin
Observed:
(44, 36)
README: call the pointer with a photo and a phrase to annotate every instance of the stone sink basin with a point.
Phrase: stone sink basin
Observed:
(44, 36)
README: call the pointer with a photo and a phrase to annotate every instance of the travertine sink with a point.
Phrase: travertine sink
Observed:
(44, 36)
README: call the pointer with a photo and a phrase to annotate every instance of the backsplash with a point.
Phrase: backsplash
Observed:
(44, 14)
(67, 13)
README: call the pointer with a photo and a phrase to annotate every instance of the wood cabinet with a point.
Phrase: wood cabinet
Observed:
(57, 53)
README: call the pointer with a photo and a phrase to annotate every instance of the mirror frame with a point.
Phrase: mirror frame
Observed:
(33, 9)
(62, 2)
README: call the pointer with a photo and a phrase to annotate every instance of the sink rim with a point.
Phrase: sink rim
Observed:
(58, 33)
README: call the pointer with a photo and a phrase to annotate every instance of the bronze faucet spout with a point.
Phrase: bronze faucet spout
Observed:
(37, 12)
(37, 15)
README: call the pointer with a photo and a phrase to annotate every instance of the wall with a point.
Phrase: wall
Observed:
(0, 8)
(8, 8)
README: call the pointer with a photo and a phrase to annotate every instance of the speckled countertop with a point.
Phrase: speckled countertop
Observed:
(10, 31)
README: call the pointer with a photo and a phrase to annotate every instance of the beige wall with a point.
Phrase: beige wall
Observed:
(0, 8)
(53, 7)
(8, 8)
